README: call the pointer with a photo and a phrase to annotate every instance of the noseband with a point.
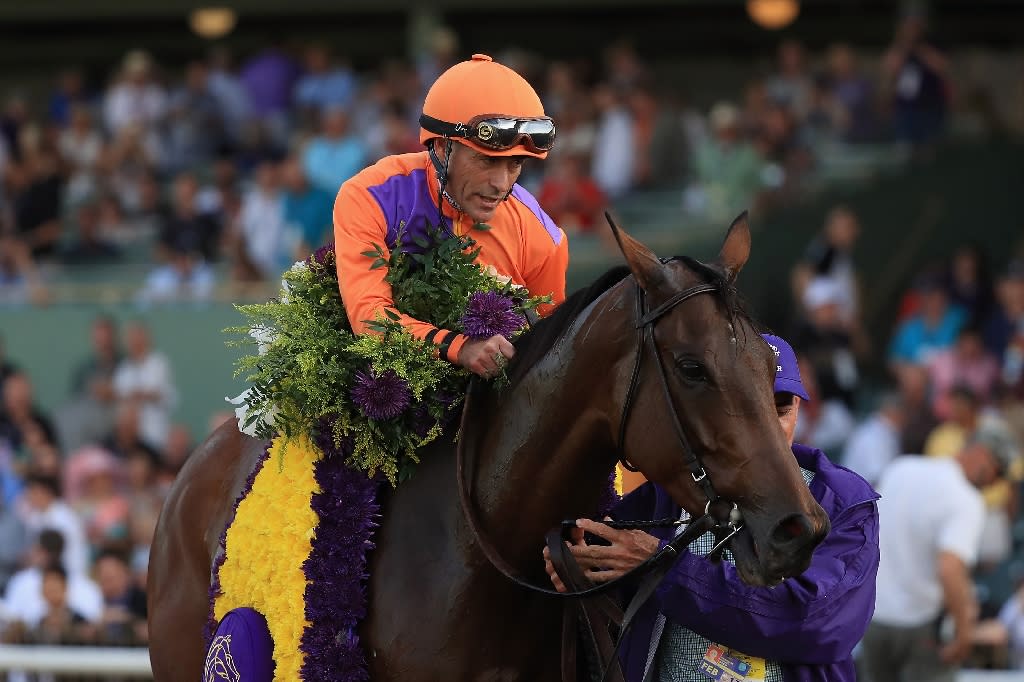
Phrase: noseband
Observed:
(724, 528)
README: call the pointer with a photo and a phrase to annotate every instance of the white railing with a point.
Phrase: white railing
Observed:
(75, 659)
(135, 662)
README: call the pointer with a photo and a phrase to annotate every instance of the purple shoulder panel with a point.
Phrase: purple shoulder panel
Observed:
(531, 203)
(408, 210)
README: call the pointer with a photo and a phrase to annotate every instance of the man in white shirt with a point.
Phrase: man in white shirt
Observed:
(144, 379)
(23, 598)
(40, 508)
(876, 441)
(930, 518)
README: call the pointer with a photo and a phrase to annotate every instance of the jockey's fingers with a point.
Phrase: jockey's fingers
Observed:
(505, 347)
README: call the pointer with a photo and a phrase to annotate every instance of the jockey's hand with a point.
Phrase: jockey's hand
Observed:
(626, 550)
(483, 356)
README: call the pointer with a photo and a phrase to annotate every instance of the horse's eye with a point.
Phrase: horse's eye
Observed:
(692, 371)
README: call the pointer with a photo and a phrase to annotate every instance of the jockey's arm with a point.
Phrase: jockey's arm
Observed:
(359, 226)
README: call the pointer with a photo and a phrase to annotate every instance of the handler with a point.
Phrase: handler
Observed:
(481, 121)
(704, 623)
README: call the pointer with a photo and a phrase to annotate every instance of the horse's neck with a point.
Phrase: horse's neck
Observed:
(548, 452)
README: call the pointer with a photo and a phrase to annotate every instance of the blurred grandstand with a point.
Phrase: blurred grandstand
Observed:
(159, 165)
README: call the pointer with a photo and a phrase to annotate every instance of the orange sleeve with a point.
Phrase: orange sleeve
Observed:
(549, 275)
(359, 226)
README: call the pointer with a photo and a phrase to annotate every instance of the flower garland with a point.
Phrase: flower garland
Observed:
(265, 548)
(388, 392)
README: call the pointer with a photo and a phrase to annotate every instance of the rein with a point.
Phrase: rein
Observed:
(655, 567)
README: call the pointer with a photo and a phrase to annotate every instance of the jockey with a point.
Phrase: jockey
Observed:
(703, 622)
(481, 121)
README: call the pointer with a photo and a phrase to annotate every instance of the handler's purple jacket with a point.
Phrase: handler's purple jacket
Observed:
(808, 624)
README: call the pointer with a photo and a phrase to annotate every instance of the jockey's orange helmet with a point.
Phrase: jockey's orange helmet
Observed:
(487, 107)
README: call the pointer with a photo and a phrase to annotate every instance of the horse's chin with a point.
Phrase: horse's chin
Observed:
(748, 562)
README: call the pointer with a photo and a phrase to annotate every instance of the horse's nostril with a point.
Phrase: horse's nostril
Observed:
(795, 528)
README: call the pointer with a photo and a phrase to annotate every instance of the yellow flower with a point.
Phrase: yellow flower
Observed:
(266, 546)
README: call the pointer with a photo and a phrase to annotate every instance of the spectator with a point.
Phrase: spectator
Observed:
(570, 197)
(307, 209)
(931, 518)
(144, 380)
(89, 415)
(825, 340)
(1011, 615)
(966, 363)
(24, 598)
(69, 94)
(830, 255)
(876, 441)
(828, 423)
(61, 624)
(195, 124)
(186, 227)
(19, 415)
(727, 167)
(614, 161)
(13, 541)
(42, 507)
(123, 622)
(124, 438)
(934, 327)
(19, 281)
(326, 84)
(268, 78)
(90, 245)
(81, 149)
(232, 98)
(917, 73)
(36, 201)
(791, 85)
(916, 394)
(959, 423)
(1007, 319)
(94, 480)
(262, 238)
(854, 95)
(135, 101)
(968, 283)
(335, 155)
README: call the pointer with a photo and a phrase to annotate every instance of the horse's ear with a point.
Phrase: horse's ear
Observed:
(645, 266)
(736, 248)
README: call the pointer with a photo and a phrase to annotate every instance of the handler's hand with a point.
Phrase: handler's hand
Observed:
(600, 563)
(481, 356)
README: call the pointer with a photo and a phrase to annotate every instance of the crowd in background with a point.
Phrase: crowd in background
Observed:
(226, 171)
(236, 165)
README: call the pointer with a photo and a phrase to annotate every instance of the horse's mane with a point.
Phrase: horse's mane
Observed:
(534, 344)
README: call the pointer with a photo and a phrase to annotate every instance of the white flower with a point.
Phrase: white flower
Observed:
(264, 337)
(242, 413)
(493, 273)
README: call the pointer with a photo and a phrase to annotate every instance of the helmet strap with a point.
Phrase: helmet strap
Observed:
(442, 175)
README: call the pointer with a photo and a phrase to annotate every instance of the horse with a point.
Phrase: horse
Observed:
(582, 391)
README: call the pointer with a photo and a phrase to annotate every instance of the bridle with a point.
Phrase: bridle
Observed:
(725, 529)
(653, 568)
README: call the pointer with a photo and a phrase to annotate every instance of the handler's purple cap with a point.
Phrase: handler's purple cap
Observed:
(242, 649)
(787, 371)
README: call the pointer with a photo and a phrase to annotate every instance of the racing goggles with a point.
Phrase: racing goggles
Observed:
(500, 133)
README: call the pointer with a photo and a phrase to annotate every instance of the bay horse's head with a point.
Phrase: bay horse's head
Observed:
(703, 390)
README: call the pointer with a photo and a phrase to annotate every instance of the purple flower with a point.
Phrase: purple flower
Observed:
(381, 396)
(324, 257)
(489, 313)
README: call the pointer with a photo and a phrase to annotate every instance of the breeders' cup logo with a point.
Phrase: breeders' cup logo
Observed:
(778, 368)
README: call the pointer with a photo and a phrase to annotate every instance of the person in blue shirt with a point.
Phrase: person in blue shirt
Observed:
(308, 210)
(934, 327)
(704, 621)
